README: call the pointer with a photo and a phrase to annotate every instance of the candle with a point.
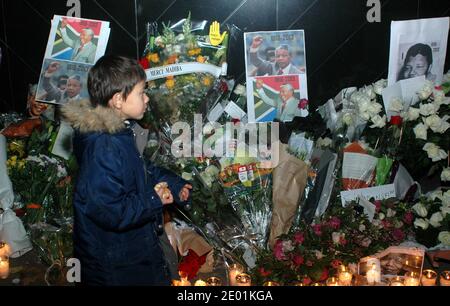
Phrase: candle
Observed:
(333, 281)
(214, 281)
(270, 284)
(396, 281)
(412, 279)
(233, 271)
(316, 284)
(429, 278)
(200, 283)
(4, 267)
(373, 275)
(5, 250)
(243, 280)
(345, 278)
(184, 279)
(445, 278)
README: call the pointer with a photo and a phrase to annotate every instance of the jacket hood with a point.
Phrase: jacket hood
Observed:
(81, 115)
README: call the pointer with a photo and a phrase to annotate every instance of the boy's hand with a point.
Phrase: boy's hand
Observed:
(185, 191)
(164, 193)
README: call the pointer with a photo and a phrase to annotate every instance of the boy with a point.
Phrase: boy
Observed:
(117, 209)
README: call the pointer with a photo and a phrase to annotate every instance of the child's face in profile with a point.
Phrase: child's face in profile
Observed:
(136, 102)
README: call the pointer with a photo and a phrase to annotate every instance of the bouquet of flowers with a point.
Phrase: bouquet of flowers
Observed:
(432, 219)
(183, 65)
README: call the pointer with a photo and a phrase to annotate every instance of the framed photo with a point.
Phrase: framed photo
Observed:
(276, 75)
(418, 48)
(395, 261)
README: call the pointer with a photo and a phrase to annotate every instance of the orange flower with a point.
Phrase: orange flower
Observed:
(201, 59)
(153, 57)
(170, 83)
(33, 206)
(206, 81)
(193, 52)
(172, 59)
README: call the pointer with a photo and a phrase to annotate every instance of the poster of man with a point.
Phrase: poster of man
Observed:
(62, 81)
(276, 75)
(418, 48)
(76, 39)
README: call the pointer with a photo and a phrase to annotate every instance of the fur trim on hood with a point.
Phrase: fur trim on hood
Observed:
(82, 116)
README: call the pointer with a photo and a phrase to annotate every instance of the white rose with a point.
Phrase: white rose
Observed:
(379, 85)
(446, 198)
(420, 209)
(375, 108)
(381, 216)
(240, 90)
(421, 223)
(426, 91)
(413, 113)
(377, 223)
(445, 210)
(396, 105)
(420, 131)
(436, 219)
(368, 90)
(319, 254)
(347, 118)
(434, 152)
(427, 109)
(186, 176)
(378, 121)
(365, 116)
(323, 142)
(390, 213)
(444, 237)
(287, 246)
(159, 41)
(436, 194)
(445, 175)
(436, 124)
(336, 237)
(438, 95)
(362, 227)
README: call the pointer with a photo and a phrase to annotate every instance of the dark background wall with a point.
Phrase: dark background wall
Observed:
(342, 47)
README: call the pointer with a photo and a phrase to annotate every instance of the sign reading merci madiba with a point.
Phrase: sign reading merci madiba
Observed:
(184, 68)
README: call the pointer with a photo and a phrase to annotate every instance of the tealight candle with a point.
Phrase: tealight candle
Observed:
(333, 281)
(233, 271)
(445, 278)
(4, 267)
(200, 283)
(214, 281)
(429, 278)
(270, 284)
(5, 250)
(243, 280)
(412, 279)
(396, 281)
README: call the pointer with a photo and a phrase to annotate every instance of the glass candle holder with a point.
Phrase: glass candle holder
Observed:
(214, 281)
(200, 283)
(396, 281)
(5, 250)
(270, 284)
(412, 279)
(345, 276)
(243, 280)
(4, 267)
(332, 281)
(445, 278)
(429, 277)
(233, 271)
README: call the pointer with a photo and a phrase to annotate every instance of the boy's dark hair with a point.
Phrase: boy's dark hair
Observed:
(112, 74)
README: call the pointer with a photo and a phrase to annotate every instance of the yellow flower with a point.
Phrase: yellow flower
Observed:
(170, 83)
(201, 59)
(153, 57)
(206, 81)
(193, 52)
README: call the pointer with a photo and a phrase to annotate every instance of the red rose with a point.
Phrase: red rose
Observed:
(377, 204)
(335, 223)
(398, 234)
(298, 260)
(144, 63)
(408, 217)
(299, 237)
(317, 228)
(303, 103)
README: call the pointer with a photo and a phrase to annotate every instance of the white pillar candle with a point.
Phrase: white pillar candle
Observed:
(429, 278)
(4, 267)
(233, 271)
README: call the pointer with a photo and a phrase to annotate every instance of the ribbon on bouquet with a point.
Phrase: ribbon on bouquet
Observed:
(185, 68)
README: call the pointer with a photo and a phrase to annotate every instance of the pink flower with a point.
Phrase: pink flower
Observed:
(317, 228)
(377, 204)
(334, 223)
(299, 237)
(278, 250)
(398, 234)
(298, 260)
(303, 103)
(408, 218)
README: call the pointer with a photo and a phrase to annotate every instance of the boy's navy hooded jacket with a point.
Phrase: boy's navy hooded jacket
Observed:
(117, 213)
